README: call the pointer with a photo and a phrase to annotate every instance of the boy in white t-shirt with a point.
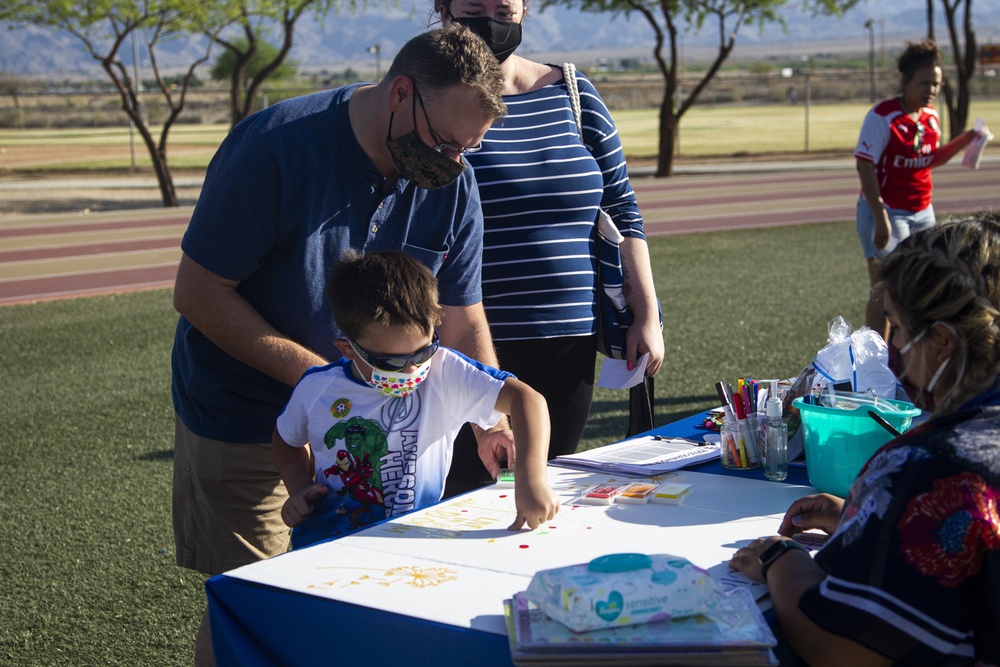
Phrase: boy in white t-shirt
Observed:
(370, 436)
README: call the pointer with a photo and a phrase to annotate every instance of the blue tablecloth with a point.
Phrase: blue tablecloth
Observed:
(258, 625)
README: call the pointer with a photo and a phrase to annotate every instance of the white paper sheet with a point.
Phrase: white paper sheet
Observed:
(425, 564)
(642, 455)
(616, 375)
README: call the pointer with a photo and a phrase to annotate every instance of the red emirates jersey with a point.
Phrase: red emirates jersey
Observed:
(902, 150)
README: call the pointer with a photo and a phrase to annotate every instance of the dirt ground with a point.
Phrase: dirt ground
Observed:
(27, 193)
(86, 200)
(41, 194)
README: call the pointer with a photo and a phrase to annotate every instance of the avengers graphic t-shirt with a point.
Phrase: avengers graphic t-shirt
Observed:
(383, 456)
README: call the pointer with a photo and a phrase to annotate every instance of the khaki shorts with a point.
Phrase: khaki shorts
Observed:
(227, 501)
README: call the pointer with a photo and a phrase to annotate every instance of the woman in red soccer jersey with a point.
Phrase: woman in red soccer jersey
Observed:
(897, 148)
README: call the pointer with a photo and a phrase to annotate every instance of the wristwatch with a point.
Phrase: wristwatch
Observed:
(776, 551)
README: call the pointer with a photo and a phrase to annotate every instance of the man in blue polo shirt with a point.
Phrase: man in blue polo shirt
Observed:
(369, 167)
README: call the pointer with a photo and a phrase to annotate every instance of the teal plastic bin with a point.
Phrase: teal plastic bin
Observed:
(840, 436)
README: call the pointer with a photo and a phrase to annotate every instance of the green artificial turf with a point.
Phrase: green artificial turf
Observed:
(86, 553)
(744, 303)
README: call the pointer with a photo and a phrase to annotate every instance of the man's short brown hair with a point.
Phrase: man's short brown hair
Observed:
(448, 56)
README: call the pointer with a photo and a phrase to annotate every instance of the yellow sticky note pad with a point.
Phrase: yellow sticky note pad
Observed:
(671, 493)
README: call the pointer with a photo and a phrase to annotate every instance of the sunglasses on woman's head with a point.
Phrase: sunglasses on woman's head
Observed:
(397, 362)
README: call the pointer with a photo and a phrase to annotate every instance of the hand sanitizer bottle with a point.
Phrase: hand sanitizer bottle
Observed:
(775, 438)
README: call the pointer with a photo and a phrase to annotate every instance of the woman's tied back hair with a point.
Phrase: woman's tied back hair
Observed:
(452, 55)
(389, 288)
(917, 56)
(950, 274)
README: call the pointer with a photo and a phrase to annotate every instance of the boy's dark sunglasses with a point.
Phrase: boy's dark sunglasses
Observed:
(399, 361)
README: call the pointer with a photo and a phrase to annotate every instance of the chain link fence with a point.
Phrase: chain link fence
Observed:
(739, 114)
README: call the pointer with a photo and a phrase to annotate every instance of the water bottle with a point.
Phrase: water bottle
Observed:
(774, 436)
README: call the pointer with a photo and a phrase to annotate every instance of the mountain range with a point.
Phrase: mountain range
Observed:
(555, 34)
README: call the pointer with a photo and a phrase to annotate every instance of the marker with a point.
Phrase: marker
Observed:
(741, 431)
(725, 395)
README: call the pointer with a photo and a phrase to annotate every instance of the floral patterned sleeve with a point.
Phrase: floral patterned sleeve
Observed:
(913, 571)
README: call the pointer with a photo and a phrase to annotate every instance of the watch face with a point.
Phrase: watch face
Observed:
(773, 552)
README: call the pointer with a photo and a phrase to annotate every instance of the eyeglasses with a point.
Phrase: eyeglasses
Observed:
(443, 147)
(397, 362)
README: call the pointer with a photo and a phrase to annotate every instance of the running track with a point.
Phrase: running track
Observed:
(61, 256)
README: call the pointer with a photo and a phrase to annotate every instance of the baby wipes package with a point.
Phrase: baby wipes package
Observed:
(622, 589)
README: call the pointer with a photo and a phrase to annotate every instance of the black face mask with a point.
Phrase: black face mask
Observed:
(501, 36)
(418, 162)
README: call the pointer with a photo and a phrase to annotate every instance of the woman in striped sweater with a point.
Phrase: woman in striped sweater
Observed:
(541, 184)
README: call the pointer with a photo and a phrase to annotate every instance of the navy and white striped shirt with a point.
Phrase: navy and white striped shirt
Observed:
(540, 188)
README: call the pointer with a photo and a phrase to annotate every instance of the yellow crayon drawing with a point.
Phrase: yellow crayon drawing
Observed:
(405, 575)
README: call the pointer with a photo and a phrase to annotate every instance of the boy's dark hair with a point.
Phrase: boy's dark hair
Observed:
(386, 287)
(917, 56)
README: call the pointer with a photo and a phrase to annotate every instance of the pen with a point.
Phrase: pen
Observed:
(741, 431)
(883, 423)
(725, 393)
(686, 441)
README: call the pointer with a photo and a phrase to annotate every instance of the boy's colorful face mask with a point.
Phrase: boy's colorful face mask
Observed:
(397, 383)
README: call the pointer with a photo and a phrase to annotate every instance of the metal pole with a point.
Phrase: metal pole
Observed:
(881, 43)
(138, 86)
(808, 98)
(377, 50)
(870, 24)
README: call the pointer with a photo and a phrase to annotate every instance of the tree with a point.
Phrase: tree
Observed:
(225, 64)
(665, 18)
(254, 19)
(105, 27)
(965, 61)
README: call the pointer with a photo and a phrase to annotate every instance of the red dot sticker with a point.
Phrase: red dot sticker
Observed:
(523, 546)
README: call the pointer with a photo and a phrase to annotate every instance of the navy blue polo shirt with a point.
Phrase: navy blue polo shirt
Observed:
(288, 190)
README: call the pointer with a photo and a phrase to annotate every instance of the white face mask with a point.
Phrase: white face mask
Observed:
(937, 374)
(397, 384)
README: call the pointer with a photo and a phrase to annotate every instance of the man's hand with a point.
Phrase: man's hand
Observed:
(302, 503)
(495, 445)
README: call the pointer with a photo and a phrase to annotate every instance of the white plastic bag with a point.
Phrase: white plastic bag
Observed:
(861, 358)
(974, 151)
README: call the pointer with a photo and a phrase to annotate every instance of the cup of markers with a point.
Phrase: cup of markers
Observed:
(739, 437)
